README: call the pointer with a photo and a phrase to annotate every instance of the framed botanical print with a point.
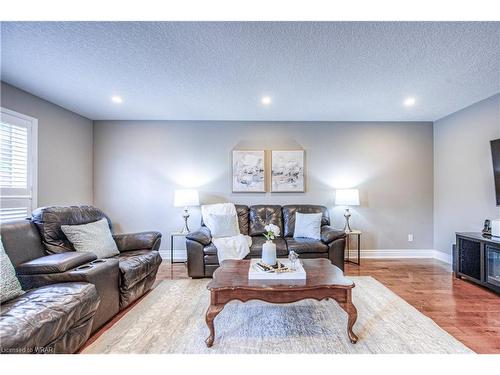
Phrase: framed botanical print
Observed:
(249, 171)
(287, 171)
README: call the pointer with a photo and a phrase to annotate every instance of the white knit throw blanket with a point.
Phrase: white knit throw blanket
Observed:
(235, 247)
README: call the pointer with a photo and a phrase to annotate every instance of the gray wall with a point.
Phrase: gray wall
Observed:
(64, 148)
(464, 193)
(138, 164)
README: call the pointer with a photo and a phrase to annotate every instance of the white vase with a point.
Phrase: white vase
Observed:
(269, 253)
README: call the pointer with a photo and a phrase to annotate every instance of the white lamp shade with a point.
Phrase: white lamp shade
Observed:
(347, 197)
(186, 197)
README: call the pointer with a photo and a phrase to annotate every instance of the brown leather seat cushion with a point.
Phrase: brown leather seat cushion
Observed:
(258, 241)
(306, 245)
(41, 316)
(136, 265)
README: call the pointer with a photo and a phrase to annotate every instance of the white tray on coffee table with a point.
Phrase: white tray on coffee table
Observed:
(256, 274)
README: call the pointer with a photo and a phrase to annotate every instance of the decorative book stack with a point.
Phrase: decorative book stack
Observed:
(257, 273)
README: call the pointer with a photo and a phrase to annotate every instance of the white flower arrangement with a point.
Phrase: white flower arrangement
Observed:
(272, 231)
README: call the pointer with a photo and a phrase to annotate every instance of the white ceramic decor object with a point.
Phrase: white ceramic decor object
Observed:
(269, 253)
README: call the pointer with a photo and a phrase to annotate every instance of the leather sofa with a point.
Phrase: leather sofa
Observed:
(202, 254)
(44, 259)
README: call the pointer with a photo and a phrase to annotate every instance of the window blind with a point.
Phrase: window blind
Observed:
(17, 165)
(13, 156)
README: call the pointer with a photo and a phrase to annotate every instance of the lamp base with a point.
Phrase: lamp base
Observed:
(347, 225)
(185, 216)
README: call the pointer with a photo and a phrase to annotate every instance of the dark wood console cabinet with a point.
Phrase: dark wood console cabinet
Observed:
(477, 258)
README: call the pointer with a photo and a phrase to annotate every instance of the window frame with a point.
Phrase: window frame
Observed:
(32, 191)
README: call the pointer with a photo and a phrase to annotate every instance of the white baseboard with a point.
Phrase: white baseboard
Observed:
(370, 254)
(401, 254)
(392, 253)
(447, 258)
(178, 256)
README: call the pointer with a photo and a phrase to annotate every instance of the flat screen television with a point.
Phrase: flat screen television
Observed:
(495, 155)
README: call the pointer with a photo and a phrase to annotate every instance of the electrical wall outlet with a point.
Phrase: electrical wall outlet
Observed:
(410, 237)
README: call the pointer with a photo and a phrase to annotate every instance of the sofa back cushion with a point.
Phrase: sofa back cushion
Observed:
(289, 216)
(22, 241)
(49, 221)
(243, 219)
(261, 215)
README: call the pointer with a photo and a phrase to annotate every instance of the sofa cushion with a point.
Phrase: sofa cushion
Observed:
(261, 215)
(9, 284)
(135, 265)
(95, 238)
(243, 218)
(289, 216)
(223, 225)
(258, 241)
(49, 221)
(41, 316)
(307, 225)
(306, 245)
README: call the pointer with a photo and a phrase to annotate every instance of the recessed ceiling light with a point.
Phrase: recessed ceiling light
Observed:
(266, 100)
(116, 99)
(409, 102)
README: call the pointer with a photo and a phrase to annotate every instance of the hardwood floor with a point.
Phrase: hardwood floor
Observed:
(468, 312)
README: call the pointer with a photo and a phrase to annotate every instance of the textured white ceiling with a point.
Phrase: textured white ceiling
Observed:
(322, 71)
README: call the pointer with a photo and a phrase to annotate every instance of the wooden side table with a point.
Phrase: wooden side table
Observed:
(172, 236)
(354, 233)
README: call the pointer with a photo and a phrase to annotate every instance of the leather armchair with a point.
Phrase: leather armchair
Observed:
(138, 261)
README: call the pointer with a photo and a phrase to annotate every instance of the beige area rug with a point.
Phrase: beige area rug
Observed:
(171, 319)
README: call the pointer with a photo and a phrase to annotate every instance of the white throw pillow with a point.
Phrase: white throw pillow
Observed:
(307, 225)
(9, 284)
(223, 225)
(92, 238)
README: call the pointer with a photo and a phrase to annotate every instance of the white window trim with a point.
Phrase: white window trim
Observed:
(32, 154)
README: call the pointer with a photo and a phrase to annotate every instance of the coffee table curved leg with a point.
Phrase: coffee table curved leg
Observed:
(352, 314)
(212, 312)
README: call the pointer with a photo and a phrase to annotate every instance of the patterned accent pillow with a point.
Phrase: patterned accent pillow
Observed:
(307, 225)
(9, 284)
(93, 238)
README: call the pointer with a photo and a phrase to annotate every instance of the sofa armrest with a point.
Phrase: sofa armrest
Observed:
(328, 234)
(55, 263)
(138, 241)
(202, 236)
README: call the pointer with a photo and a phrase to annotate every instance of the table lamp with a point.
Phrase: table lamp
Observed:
(347, 197)
(185, 198)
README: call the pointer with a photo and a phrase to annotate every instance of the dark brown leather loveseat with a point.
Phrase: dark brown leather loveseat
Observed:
(202, 254)
(45, 262)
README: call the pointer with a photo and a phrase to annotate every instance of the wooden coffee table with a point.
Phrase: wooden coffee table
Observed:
(324, 280)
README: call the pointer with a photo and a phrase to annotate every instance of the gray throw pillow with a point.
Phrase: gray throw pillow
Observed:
(93, 238)
(9, 284)
(307, 226)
